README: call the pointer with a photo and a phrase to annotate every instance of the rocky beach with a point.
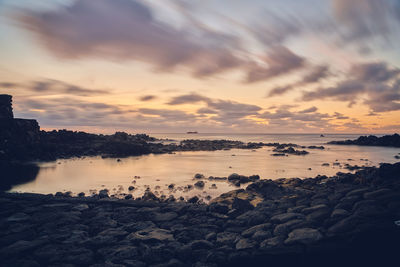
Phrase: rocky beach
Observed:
(345, 219)
(348, 220)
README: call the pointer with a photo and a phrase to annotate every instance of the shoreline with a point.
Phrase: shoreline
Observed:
(280, 221)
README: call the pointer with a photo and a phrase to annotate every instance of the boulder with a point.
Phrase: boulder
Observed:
(304, 236)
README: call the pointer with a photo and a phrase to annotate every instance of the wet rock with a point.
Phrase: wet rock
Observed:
(201, 244)
(199, 176)
(163, 217)
(151, 235)
(321, 207)
(252, 230)
(304, 236)
(148, 195)
(261, 235)
(131, 188)
(241, 205)
(284, 217)
(81, 207)
(18, 217)
(128, 196)
(199, 184)
(339, 213)
(377, 193)
(272, 242)
(119, 253)
(193, 200)
(226, 238)
(103, 193)
(246, 243)
(285, 228)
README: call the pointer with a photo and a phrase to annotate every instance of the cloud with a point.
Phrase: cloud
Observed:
(279, 90)
(188, 99)
(309, 110)
(344, 91)
(316, 74)
(374, 72)
(363, 18)
(53, 87)
(122, 30)
(376, 83)
(280, 60)
(146, 98)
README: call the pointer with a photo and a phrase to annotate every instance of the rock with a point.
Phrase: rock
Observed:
(357, 192)
(103, 193)
(199, 176)
(345, 225)
(304, 236)
(81, 194)
(128, 196)
(315, 208)
(171, 186)
(245, 243)
(261, 235)
(199, 184)
(201, 244)
(272, 242)
(241, 205)
(285, 228)
(81, 207)
(163, 217)
(219, 208)
(148, 195)
(377, 193)
(193, 200)
(151, 235)
(339, 213)
(119, 253)
(18, 217)
(252, 230)
(284, 217)
(115, 233)
(226, 238)
(131, 188)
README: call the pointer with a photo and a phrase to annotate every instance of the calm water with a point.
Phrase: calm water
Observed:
(158, 171)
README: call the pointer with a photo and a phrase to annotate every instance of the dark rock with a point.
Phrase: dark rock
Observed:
(246, 243)
(103, 193)
(201, 244)
(199, 184)
(304, 236)
(285, 217)
(241, 205)
(151, 235)
(193, 200)
(199, 176)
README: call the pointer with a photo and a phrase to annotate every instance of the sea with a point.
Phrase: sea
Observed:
(156, 172)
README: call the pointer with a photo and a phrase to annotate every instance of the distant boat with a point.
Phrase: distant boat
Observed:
(192, 132)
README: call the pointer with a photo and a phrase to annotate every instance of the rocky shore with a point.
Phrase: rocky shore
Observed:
(372, 140)
(345, 220)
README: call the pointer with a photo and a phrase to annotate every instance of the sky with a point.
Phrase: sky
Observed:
(226, 66)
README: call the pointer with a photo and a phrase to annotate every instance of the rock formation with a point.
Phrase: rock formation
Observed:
(17, 136)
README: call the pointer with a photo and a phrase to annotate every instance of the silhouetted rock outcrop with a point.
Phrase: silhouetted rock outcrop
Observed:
(18, 137)
(372, 140)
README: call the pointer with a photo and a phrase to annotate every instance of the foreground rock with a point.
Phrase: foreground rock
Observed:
(348, 219)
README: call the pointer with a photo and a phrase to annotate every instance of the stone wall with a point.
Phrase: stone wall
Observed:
(5, 107)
